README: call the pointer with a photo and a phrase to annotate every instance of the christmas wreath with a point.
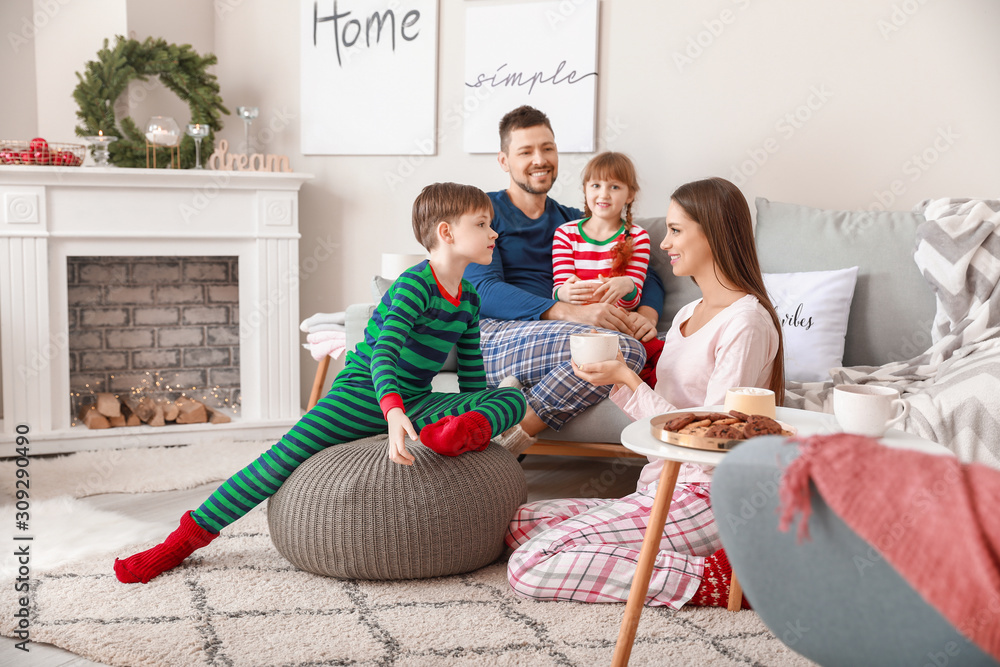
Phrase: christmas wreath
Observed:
(179, 68)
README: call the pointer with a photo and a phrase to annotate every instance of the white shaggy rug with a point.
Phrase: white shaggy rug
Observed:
(135, 470)
(65, 530)
(239, 603)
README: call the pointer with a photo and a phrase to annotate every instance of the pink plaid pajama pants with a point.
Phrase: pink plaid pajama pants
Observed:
(587, 549)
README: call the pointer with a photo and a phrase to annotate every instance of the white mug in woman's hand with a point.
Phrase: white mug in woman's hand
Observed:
(868, 409)
(589, 348)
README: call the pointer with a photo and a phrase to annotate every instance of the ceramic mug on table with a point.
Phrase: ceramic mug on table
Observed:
(589, 348)
(868, 409)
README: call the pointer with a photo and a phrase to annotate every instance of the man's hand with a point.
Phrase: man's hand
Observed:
(602, 315)
(399, 428)
(642, 323)
(614, 289)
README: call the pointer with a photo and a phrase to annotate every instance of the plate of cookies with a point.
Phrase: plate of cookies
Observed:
(714, 431)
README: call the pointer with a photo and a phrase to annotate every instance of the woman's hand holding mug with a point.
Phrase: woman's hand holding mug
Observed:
(600, 373)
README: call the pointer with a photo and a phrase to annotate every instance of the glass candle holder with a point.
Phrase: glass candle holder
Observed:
(163, 131)
(101, 142)
(248, 114)
(197, 131)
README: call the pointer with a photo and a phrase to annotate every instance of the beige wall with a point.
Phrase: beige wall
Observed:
(903, 93)
(19, 111)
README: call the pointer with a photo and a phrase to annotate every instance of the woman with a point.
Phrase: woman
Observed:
(586, 549)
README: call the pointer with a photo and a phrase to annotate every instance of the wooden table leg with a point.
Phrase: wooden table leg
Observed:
(647, 558)
(735, 594)
(317, 390)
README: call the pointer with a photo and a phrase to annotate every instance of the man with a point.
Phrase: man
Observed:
(525, 332)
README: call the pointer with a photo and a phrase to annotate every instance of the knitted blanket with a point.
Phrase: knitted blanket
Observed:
(951, 387)
(932, 518)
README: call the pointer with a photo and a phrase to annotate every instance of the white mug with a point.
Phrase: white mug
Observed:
(868, 409)
(750, 401)
(589, 348)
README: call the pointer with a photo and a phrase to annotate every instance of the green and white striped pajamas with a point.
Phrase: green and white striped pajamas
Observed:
(406, 343)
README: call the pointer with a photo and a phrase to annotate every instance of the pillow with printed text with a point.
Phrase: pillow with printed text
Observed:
(813, 308)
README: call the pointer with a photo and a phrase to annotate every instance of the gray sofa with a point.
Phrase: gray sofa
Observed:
(892, 309)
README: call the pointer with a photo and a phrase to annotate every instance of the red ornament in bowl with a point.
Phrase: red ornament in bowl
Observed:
(39, 152)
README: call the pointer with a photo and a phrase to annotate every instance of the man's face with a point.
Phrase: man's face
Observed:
(532, 159)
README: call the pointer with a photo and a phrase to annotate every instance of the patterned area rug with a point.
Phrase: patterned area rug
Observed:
(240, 604)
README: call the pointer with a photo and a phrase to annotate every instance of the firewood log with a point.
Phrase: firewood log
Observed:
(191, 411)
(108, 405)
(217, 417)
(170, 410)
(131, 419)
(157, 418)
(94, 419)
(145, 409)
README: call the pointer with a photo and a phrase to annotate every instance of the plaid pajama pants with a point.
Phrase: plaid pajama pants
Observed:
(587, 549)
(537, 354)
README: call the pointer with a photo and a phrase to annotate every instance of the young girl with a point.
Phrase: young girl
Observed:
(587, 549)
(604, 246)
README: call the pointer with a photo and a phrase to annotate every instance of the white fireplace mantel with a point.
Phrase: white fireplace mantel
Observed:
(50, 213)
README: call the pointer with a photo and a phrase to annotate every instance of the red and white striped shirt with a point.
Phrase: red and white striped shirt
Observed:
(574, 253)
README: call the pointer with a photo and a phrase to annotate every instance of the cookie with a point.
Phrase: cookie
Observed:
(724, 431)
(739, 415)
(680, 421)
(761, 425)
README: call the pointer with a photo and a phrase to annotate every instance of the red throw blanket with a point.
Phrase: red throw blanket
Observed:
(935, 520)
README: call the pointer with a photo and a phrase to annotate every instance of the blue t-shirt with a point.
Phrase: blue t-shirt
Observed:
(517, 284)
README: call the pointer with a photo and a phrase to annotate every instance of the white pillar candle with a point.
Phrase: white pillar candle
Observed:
(751, 401)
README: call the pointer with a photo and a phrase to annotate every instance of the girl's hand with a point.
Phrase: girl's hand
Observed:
(399, 428)
(613, 289)
(576, 291)
(603, 372)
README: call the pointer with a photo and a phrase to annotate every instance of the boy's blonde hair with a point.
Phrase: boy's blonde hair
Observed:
(445, 201)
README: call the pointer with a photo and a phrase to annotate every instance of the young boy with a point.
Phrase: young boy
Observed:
(385, 384)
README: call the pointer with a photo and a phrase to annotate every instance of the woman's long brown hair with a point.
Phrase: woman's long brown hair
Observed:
(721, 210)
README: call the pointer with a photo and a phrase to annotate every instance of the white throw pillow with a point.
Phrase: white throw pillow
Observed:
(813, 308)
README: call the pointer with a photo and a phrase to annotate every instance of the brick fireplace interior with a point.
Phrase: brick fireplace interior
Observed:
(155, 326)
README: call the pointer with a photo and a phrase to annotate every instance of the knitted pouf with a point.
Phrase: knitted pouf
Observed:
(350, 512)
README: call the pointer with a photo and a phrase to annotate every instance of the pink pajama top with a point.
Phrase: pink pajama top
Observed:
(736, 348)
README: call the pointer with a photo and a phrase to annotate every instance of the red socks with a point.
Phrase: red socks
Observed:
(714, 589)
(179, 545)
(452, 436)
